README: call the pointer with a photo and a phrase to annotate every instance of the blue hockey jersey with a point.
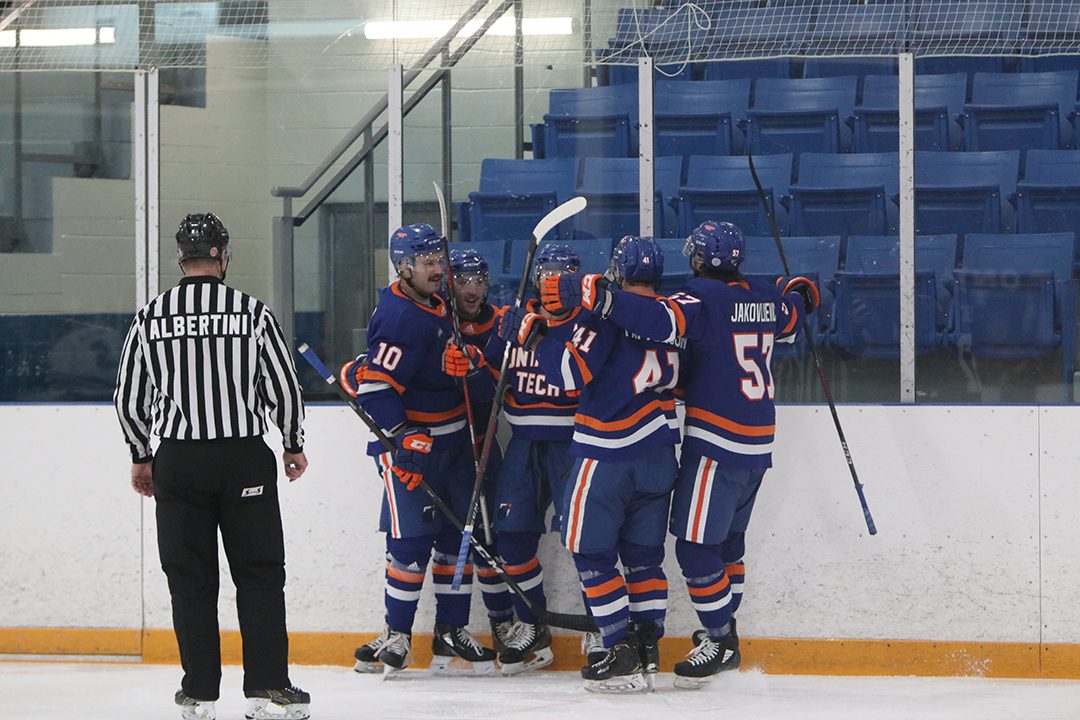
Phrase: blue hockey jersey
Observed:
(404, 380)
(730, 329)
(536, 408)
(626, 405)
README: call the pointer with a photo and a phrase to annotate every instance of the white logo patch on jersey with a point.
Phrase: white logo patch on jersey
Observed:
(252, 491)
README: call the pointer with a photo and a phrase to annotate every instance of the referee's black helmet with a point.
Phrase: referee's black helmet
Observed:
(201, 235)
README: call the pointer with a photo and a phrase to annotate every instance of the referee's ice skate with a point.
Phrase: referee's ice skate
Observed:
(289, 703)
(192, 709)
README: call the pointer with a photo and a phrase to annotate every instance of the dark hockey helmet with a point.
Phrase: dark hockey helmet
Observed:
(719, 245)
(638, 260)
(467, 261)
(412, 240)
(554, 259)
(202, 235)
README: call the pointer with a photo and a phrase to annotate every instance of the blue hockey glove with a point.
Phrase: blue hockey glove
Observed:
(521, 327)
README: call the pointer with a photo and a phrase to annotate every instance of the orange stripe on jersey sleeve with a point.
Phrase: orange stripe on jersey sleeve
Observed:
(435, 417)
(376, 376)
(625, 423)
(586, 376)
(731, 425)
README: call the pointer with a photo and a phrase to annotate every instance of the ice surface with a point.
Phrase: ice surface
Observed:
(98, 691)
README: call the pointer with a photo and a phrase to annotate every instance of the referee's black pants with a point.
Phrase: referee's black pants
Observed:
(201, 486)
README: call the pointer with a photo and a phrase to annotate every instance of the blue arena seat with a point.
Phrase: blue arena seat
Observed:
(612, 189)
(1048, 198)
(749, 69)
(942, 27)
(514, 195)
(1019, 112)
(939, 99)
(745, 28)
(845, 194)
(696, 118)
(815, 257)
(852, 30)
(662, 33)
(721, 188)
(1050, 24)
(798, 116)
(867, 294)
(965, 192)
(676, 265)
(1015, 297)
(586, 135)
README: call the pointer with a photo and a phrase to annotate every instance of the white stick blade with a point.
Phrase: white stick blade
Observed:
(442, 206)
(567, 210)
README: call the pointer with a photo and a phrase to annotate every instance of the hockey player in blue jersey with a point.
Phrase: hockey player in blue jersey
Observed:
(535, 467)
(406, 392)
(616, 503)
(731, 325)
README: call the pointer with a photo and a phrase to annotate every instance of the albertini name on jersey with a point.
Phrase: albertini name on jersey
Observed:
(753, 313)
(205, 325)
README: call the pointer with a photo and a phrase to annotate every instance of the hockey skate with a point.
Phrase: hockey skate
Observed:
(289, 703)
(455, 651)
(501, 632)
(646, 635)
(528, 648)
(707, 659)
(394, 654)
(367, 656)
(618, 671)
(192, 709)
(592, 647)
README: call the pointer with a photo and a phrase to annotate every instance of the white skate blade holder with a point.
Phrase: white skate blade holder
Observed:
(541, 658)
(622, 684)
(368, 667)
(199, 710)
(692, 683)
(448, 666)
(263, 709)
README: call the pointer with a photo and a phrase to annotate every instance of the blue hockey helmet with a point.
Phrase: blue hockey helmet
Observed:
(720, 245)
(467, 261)
(638, 260)
(554, 258)
(412, 240)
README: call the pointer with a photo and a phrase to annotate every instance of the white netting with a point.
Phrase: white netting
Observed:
(371, 34)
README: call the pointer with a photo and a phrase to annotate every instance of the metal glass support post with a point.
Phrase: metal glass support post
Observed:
(147, 186)
(646, 181)
(396, 151)
(907, 228)
(586, 42)
(447, 139)
(519, 82)
(284, 301)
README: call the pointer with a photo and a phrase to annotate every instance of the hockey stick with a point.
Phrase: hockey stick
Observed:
(808, 332)
(565, 211)
(455, 324)
(568, 621)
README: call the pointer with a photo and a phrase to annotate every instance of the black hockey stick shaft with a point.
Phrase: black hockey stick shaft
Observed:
(809, 334)
(567, 621)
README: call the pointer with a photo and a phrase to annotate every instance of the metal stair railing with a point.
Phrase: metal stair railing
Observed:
(284, 225)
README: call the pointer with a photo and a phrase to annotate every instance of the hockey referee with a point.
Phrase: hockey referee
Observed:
(203, 364)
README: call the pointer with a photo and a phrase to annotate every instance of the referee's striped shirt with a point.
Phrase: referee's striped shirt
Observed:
(204, 361)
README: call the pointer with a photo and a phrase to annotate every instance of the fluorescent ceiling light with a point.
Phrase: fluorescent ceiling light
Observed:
(417, 29)
(60, 37)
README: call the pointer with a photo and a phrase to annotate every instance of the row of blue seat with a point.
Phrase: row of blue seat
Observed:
(995, 295)
(824, 194)
(715, 30)
(816, 115)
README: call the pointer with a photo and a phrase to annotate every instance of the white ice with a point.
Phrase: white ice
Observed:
(98, 691)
